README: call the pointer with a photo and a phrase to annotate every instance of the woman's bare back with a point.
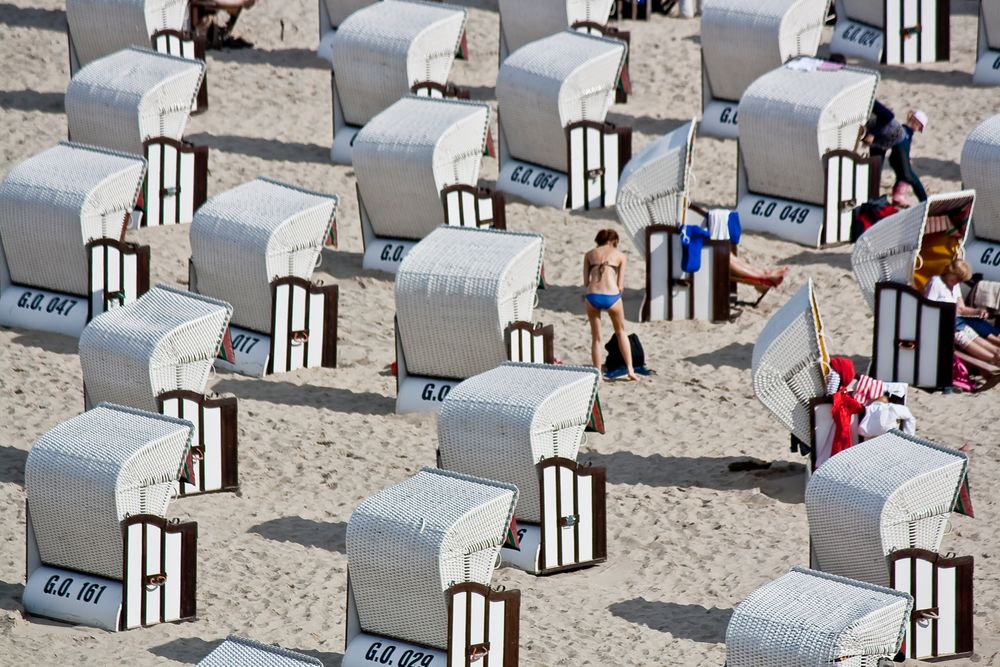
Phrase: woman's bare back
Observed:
(603, 267)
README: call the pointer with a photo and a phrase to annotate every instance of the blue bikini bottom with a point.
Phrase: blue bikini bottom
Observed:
(603, 301)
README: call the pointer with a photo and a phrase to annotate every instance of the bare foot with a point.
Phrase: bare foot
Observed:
(632, 377)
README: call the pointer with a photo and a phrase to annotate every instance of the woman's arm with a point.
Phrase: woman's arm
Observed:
(963, 310)
(621, 273)
(586, 270)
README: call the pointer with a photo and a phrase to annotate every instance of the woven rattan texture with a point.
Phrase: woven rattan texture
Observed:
(409, 543)
(525, 21)
(407, 154)
(981, 170)
(242, 652)
(457, 290)
(101, 27)
(550, 83)
(501, 423)
(83, 477)
(52, 204)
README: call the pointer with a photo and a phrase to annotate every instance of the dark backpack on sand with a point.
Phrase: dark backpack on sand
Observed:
(614, 359)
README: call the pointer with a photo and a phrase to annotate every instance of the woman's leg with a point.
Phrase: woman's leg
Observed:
(981, 349)
(617, 315)
(594, 316)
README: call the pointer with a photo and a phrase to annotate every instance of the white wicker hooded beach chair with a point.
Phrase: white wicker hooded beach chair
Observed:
(797, 124)
(981, 172)
(416, 163)
(381, 52)
(878, 512)
(653, 200)
(255, 247)
(63, 215)
(239, 651)
(456, 292)
(523, 424)
(741, 41)
(139, 101)
(526, 21)
(811, 619)
(411, 545)
(553, 97)
(892, 262)
(790, 362)
(165, 341)
(893, 32)
(987, 71)
(88, 481)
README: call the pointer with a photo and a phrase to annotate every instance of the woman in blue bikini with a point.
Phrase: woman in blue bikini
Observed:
(604, 278)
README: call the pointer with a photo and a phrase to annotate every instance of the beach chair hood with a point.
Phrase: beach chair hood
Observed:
(408, 153)
(167, 340)
(553, 82)
(501, 423)
(812, 619)
(525, 21)
(890, 251)
(790, 362)
(893, 492)
(409, 543)
(793, 115)
(981, 167)
(380, 51)
(121, 100)
(86, 475)
(653, 188)
(101, 27)
(238, 650)
(246, 237)
(457, 290)
(742, 40)
(53, 204)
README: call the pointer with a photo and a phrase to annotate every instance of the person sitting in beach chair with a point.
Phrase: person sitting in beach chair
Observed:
(206, 15)
(974, 334)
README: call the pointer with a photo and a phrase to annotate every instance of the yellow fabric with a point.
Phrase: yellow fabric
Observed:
(936, 252)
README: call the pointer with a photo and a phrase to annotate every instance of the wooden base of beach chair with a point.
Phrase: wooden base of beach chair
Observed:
(119, 274)
(916, 31)
(303, 331)
(463, 205)
(984, 257)
(597, 153)
(940, 626)
(214, 457)
(641, 10)
(176, 182)
(851, 180)
(530, 343)
(573, 531)
(158, 586)
(483, 629)
(822, 428)
(624, 84)
(914, 339)
(672, 294)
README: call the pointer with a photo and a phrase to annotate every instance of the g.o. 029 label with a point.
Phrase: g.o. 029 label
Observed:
(385, 654)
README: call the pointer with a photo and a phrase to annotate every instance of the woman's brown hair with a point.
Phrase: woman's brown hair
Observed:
(606, 236)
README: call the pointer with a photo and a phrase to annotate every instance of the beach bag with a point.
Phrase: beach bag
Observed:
(614, 359)
(960, 379)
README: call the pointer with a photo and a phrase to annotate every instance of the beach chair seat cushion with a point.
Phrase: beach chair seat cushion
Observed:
(549, 84)
(406, 155)
(121, 100)
(53, 204)
(83, 477)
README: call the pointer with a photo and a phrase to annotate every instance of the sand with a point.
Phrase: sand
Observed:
(687, 538)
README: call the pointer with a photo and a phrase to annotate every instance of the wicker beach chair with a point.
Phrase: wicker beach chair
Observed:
(98, 28)
(417, 165)
(653, 201)
(893, 32)
(987, 72)
(255, 247)
(63, 258)
(523, 424)
(456, 293)
(156, 355)
(139, 101)
(239, 651)
(553, 96)
(100, 550)
(981, 172)
(878, 513)
(892, 262)
(811, 619)
(384, 51)
(741, 41)
(421, 556)
(798, 175)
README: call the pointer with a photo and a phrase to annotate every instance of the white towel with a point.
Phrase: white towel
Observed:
(718, 224)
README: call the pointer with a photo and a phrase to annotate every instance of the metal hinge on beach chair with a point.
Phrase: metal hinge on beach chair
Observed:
(893, 32)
